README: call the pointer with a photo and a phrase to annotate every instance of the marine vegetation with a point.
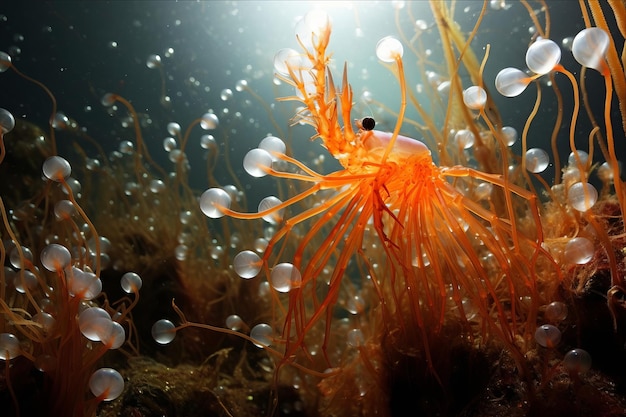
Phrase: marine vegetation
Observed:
(425, 256)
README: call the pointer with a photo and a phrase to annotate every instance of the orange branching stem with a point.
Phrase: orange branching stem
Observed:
(184, 323)
(585, 99)
(613, 61)
(92, 228)
(52, 99)
(396, 130)
(555, 130)
(2, 148)
(529, 120)
(142, 149)
(615, 166)
(18, 247)
(572, 129)
(585, 13)
(540, 30)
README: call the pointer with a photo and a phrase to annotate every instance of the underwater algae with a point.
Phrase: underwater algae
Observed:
(439, 227)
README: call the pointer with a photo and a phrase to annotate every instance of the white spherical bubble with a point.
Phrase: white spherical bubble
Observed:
(284, 277)
(273, 145)
(582, 196)
(589, 48)
(7, 121)
(64, 209)
(95, 323)
(234, 322)
(542, 56)
(60, 121)
(169, 144)
(464, 138)
(268, 203)
(46, 320)
(511, 82)
(260, 244)
(17, 261)
(257, 162)
(173, 128)
(126, 147)
(389, 48)
(582, 155)
(579, 250)
(106, 384)
(5, 61)
(262, 334)
(208, 142)
(153, 61)
(131, 282)
(537, 160)
(56, 168)
(475, 97)
(25, 280)
(577, 361)
(9, 346)
(567, 42)
(287, 58)
(556, 311)
(163, 331)
(241, 85)
(55, 257)
(548, 336)
(82, 284)
(211, 200)
(73, 184)
(108, 99)
(115, 337)
(209, 121)
(247, 264)
(226, 94)
(510, 135)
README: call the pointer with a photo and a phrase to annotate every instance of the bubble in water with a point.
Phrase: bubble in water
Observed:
(7, 121)
(257, 162)
(579, 250)
(262, 335)
(234, 322)
(577, 361)
(388, 49)
(537, 160)
(55, 257)
(582, 196)
(9, 346)
(284, 277)
(153, 61)
(5, 61)
(56, 168)
(247, 264)
(268, 203)
(475, 97)
(209, 121)
(210, 201)
(510, 135)
(226, 94)
(106, 384)
(131, 282)
(548, 336)
(163, 331)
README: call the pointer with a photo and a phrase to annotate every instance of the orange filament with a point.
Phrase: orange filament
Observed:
(424, 224)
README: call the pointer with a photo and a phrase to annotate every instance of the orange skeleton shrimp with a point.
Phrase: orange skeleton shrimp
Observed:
(443, 251)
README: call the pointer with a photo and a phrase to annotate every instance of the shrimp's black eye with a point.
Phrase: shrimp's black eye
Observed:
(367, 123)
